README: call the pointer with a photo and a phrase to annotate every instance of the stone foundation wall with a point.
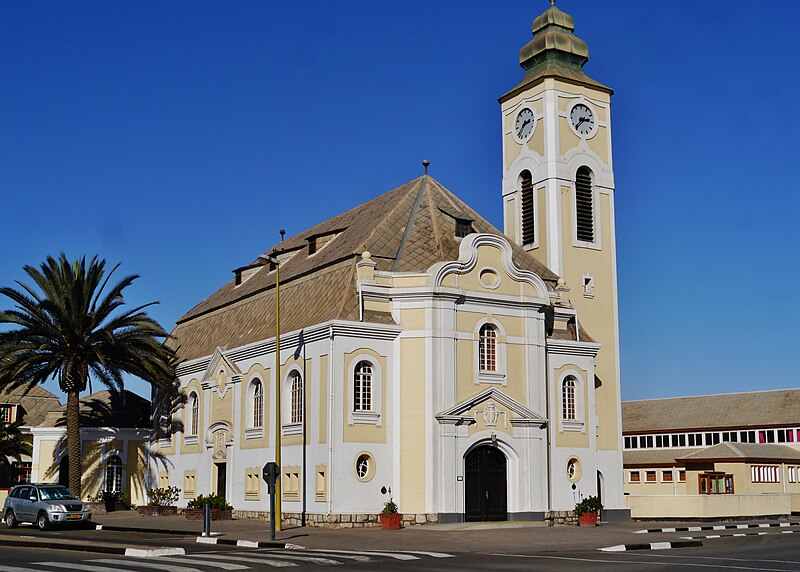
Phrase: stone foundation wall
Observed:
(561, 518)
(335, 520)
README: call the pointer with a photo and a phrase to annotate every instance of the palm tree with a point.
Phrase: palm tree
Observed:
(13, 444)
(67, 328)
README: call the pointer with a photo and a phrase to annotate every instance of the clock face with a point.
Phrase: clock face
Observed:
(525, 123)
(582, 119)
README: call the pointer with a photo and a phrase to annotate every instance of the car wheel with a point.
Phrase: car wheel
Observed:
(11, 520)
(41, 521)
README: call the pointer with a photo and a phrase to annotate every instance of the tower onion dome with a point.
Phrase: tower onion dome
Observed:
(554, 52)
(553, 39)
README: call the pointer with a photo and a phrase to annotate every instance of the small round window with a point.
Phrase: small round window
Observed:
(573, 469)
(365, 467)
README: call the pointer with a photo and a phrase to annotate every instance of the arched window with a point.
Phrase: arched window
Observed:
(296, 385)
(568, 399)
(362, 387)
(114, 474)
(258, 404)
(528, 218)
(487, 348)
(584, 205)
(194, 413)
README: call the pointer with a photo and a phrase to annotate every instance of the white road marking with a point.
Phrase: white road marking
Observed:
(247, 543)
(395, 555)
(667, 530)
(155, 565)
(748, 560)
(154, 552)
(200, 562)
(77, 566)
(695, 529)
(431, 554)
(17, 569)
(660, 545)
(251, 560)
(308, 559)
(673, 564)
(322, 553)
(206, 540)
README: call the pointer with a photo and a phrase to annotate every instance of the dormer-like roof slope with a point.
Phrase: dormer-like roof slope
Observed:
(35, 401)
(732, 410)
(407, 229)
(107, 408)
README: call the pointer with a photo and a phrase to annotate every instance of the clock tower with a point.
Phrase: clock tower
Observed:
(558, 203)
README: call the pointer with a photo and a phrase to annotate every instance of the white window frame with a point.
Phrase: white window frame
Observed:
(579, 422)
(119, 472)
(374, 416)
(498, 375)
(289, 427)
(253, 431)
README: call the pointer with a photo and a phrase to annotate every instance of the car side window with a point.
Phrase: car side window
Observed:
(23, 493)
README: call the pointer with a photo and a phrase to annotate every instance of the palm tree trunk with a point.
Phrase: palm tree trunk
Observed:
(74, 442)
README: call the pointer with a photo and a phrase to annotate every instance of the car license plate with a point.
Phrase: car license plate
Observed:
(73, 516)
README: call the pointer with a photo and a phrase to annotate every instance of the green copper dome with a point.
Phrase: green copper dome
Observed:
(553, 40)
(554, 52)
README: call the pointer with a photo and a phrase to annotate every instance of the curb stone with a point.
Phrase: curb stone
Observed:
(242, 543)
(652, 546)
(140, 551)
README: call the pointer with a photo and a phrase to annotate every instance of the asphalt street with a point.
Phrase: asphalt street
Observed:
(772, 551)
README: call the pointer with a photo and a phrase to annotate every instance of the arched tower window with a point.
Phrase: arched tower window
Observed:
(296, 397)
(528, 218)
(584, 205)
(362, 387)
(487, 348)
(194, 414)
(258, 404)
(568, 399)
(114, 474)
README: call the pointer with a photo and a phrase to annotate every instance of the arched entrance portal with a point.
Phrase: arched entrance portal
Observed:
(485, 484)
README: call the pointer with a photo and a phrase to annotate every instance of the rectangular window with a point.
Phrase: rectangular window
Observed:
(691, 439)
(650, 476)
(634, 477)
(666, 476)
(643, 442)
(252, 484)
(5, 414)
(189, 484)
(675, 440)
(792, 474)
(23, 471)
(790, 435)
(321, 484)
(781, 433)
(715, 484)
(290, 486)
(649, 441)
(765, 474)
(681, 476)
(682, 440)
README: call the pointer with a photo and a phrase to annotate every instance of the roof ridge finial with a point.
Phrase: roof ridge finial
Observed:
(425, 164)
(552, 2)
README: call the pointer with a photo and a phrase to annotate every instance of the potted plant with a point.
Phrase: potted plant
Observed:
(161, 502)
(588, 510)
(110, 499)
(220, 509)
(390, 517)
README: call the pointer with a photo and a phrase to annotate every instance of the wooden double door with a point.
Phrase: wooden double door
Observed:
(485, 485)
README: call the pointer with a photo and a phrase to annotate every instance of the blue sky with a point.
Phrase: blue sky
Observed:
(179, 137)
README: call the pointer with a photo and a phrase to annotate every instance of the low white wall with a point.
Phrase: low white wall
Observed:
(708, 506)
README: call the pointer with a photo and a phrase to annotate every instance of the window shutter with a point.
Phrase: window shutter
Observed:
(526, 190)
(584, 205)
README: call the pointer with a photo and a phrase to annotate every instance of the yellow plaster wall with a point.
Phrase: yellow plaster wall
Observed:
(412, 426)
(135, 468)
(364, 433)
(323, 399)
(193, 385)
(412, 319)
(46, 460)
(265, 375)
(707, 506)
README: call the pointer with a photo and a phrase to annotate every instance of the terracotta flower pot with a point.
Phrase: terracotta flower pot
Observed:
(391, 521)
(588, 519)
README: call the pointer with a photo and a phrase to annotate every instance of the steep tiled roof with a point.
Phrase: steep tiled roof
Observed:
(35, 401)
(407, 229)
(761, 408)
(123, 409)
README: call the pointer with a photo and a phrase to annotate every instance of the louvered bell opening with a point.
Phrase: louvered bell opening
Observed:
(463, 227)
(584, 205)
(528, 230)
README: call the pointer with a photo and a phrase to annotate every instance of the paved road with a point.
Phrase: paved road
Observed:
(770, 552)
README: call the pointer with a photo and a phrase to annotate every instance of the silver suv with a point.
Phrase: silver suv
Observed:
(44, 504)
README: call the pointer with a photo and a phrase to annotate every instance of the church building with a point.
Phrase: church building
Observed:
(473, 372)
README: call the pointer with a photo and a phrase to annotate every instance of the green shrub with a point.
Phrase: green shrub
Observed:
(164, 496)
(589, 504)
(216, 501)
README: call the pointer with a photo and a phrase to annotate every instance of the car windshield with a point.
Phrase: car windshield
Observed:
(56, 493)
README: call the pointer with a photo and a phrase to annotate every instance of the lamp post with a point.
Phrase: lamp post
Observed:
(274, 260)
